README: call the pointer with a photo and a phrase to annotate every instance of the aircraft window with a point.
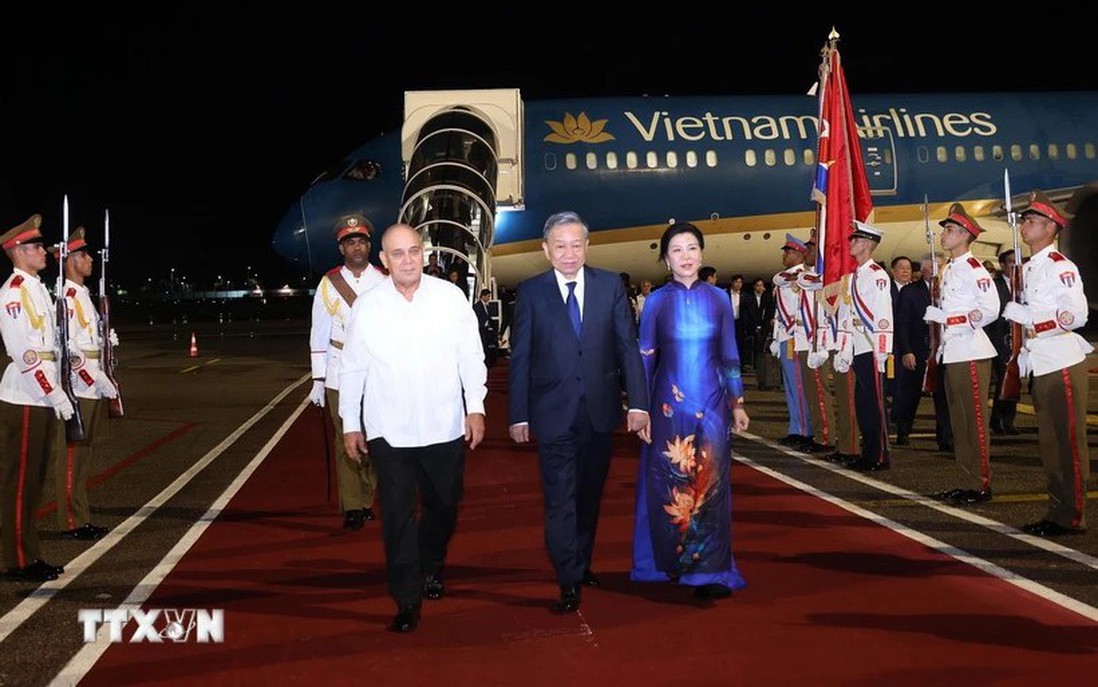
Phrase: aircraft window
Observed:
(1053, 151)
(612, 160)
(750, 158)
(652, 159)
(978, 153)
(941, 154)
(1034, 151)
(711, 158)
(1088, 148)
(888, 156)
(790, 157)
(672, 159)
(332, 172)
(592, 161)
(997, 153)
(770, 157)
(363, 170)
(691, 158)
(809, 157)
(550, 161)
(1072, 151)
(1016, 152)
(631, 160)
(923, 154)
(766, 236)
(960, 153)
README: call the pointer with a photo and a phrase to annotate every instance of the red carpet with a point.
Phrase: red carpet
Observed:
(831, 599)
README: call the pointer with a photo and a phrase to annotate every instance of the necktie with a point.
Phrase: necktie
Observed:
(573, 308)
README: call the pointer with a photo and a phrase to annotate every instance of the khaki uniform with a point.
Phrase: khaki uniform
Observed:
(970, 302)
(27, 417)
(820, 336)
(331, 311)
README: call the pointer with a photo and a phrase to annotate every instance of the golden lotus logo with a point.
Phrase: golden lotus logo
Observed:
(578, 130)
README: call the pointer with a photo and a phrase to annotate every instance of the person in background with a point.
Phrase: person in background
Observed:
(791, 342)
(33, 405)
(968, 302)
(999, 331)
(1055, 306)
(735, 296)
(412, 390)
(695, 392)
(489, 336)
(568, 366)
(71, 461)
(758, 316)
(645, 292)
(356, 481)
(707, 275)
(432, 268)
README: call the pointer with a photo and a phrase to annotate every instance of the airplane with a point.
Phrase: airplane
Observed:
(479, 171)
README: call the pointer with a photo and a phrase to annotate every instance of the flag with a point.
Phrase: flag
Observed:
(840, 189)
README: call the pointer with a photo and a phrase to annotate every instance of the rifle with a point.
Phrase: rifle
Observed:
(1010, 387)
(107, 360)
(74, 426)
(931, 375)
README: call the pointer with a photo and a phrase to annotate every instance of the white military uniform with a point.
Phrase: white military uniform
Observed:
(1057, 304)
(970, 302)
(870, 318)
(30, 337)
(85, 340)
(789, 320)
(330, 316)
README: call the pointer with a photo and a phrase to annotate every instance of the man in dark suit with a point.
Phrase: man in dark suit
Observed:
(489, 336)
(573, 344)
(911, 347)
(1000, 331)
(757, 313)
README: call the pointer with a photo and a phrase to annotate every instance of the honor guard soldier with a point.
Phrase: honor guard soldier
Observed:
(969, 302)
(870, 345)
(1054, 306)
(72, 461)
(813, 360)
(789, 338)
(356, 481)
(32, 402)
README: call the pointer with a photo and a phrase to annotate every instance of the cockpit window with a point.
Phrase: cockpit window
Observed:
(359, 170)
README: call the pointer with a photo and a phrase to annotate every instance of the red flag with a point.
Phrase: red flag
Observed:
(841, 189)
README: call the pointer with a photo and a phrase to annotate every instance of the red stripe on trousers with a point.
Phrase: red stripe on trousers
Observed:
(985, 467)
(1076, 470)
(20, 556)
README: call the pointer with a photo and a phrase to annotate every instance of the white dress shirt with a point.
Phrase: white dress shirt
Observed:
(413, 368)
(562, 284)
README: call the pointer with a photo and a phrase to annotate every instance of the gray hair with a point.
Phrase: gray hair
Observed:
(562, 218)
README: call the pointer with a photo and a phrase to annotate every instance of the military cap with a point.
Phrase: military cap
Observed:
(794, 243)
(27, 232)
(1041, 204)
(352, 225)
(957, 215)
(865, 231)
(76, 242)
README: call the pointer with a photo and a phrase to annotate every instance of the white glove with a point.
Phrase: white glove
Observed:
(112, 336)
(1016, 312)
(842, 364)
(317, 394)
(775, 347)
(816, 359)
(1023, 363)
(934, 314)
(882, 360)
(62, 406)
(105, 386)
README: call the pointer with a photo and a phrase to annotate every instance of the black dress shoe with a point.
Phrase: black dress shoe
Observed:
(569, 601)
(712, 591)
(949, 494)
(902, 440)
(88, 532)
(792, 440)
(813, 446)
(866, 465)
(973, 496)
(352, 520)
(590, 580)
(38, 571)
(1047, 528)
(433, 588)
(406, 620)
(368, 514)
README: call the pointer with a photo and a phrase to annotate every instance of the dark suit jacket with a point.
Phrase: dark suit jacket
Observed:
(753, 315)
(551, 369)
(999, 330)
(912, 333)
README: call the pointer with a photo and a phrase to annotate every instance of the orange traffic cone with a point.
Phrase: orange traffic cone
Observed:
(194, 346)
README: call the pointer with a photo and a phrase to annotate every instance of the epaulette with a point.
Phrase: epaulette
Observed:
(973, 262)
(333, 270)
(71, 293)
(18, 281)
(875, 266)
(1056, 256)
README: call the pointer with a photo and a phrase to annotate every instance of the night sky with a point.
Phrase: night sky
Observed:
(199, 126)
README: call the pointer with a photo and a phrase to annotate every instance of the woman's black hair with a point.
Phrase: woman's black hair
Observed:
(676, 229)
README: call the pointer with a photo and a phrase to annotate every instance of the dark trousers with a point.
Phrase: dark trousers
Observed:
(870, 409)
(413, 548)
(1002, 412)
(25, 433)
(573, 471)
(906, 393)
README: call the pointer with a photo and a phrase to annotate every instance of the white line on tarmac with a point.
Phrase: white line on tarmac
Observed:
(85, 659)
(38, 598)
(988, 567)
